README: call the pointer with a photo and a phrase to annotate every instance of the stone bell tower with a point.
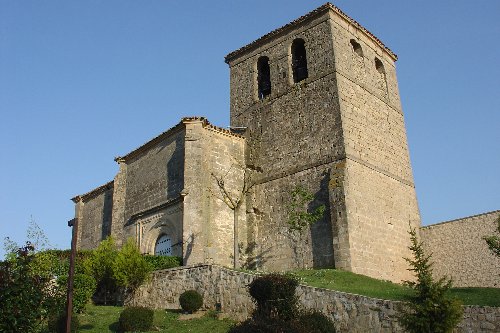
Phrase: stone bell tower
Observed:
(320, 101)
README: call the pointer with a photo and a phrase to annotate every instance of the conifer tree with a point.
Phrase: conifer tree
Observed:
(429, 309)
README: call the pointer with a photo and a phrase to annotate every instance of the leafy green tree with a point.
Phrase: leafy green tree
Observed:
(27, 298)
(84, 286)
(130, 268)
(494, 240)
(299, 216)
(100, 266)
(429, 309)
(35, 236)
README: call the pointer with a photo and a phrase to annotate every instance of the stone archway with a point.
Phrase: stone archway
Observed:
(163, 246)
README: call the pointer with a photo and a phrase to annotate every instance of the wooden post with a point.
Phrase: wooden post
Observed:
(69, 301)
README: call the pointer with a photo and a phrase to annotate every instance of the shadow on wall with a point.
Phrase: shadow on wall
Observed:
(175, 169)
(189, 248)
(107, 210)
(255, 261)
(321, 231)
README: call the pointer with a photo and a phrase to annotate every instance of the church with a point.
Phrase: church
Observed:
(313, 105)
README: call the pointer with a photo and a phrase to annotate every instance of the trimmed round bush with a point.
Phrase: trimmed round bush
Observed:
(191, 301)
(136, 318)
(274, 295)
(58, 324)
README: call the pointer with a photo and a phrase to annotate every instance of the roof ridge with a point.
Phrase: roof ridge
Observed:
(153, 141)
(95, 191)
(320, 9)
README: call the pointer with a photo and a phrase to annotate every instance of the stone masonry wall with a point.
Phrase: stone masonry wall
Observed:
(351, 313)
(277, 247)
(95, 214)
(293, 136)
(458, 250)
(344, 118)
(379, 218)
(149, 177)
(156, 175)
(379, 192)
(208, 220)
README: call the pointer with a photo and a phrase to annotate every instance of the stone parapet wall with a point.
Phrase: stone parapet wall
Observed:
(459, 251)
(228, 288)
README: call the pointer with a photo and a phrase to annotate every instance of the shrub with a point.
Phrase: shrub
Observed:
(163, 262)
(277, 309)
(274, 295)
(58, 323)
(136, 318)
(84, 286)
(99, 265)
(26, 297)
(429, 309)
(314, 322)
(307, 322)
(263, 325)
(191, 301)
(130, 269)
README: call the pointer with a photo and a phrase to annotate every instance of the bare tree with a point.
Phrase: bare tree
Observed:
(233, 199)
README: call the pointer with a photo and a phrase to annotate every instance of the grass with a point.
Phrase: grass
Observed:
(363, 285)
(99, 319)
(352, 283)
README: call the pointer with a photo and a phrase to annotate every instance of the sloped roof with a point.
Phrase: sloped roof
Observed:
(320, 10)
(172, 130)
(93, 193)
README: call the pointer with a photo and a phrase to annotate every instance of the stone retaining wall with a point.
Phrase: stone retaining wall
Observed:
(228, 289)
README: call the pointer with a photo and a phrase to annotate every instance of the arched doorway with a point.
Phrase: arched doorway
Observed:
(163, 246)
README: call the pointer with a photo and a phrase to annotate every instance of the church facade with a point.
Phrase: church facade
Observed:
(314, 104)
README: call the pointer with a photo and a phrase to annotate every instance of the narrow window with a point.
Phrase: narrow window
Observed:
(299, 60)
(356, 48)
(263, 77)
(163, 246)
(379, 66)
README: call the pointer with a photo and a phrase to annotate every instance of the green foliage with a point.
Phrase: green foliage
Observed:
(335, 279)
(191, 301)
(100, 262)
(102, 319)
(113, 268)
(130, 269)
(299, 215)
(10, 248)
(163, 262)
(305, 322)
(100, 265)
(314, 322)
(429, 309)
(136, 318)
(84, 286)
(58, 323)
(26, 298)
(274, 295)
(493, 241)
(35, 236)
(264, 325)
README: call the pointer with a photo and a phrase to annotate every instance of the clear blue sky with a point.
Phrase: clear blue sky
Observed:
(84, 81)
